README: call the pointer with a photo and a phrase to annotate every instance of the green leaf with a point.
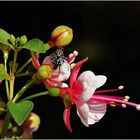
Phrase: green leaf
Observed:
(55, 92)
(4, 37)
(2, 72)
(20, 111)
(35, 45)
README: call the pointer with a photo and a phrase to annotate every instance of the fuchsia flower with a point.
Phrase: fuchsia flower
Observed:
(62, 73)
(91, 105)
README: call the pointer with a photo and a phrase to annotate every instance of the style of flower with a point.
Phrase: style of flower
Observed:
(62, 73)
(91, 105)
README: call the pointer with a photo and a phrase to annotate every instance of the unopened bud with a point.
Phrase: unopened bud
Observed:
(12, 39)
(55, 92)
(23, 40)
(62, 36)
(32, 122)
(44, 71)
(17, 131)
(67, 101)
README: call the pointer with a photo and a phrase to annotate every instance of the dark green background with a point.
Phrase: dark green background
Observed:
(107, 32)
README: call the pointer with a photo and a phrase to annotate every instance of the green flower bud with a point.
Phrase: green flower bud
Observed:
(17, 41)
(12, 39)
(23, 40)
(44, 71)
(17, 131)
(66, 100)
(10, 126)
(62, 36)
(55, 92)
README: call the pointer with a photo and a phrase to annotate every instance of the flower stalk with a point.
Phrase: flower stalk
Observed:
(5, 55)
(35, 95)
(23, 89)
(24, 66)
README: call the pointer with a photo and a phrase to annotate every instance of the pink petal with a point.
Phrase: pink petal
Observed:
(66, 117)
(101, 79)
(77, 90)
(76, 70)
(47, 60)
(51, 84)
(83, 111)
(89, 83)
(35, 60)
(96, 111)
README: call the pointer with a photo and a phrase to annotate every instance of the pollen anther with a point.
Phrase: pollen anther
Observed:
(120, 87)
(138, 107)
(75, 53)
(112, 105)
(127, 97)
(124, 105)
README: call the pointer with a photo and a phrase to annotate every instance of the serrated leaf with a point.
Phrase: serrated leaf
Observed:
(20, 111)
(2, 72)
(4, 37)
(35, 45)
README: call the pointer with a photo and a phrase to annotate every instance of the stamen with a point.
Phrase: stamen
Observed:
(120, 87)
(100, 97)
(75, 53)
(127, 97)
(70, 55)
(110, 97)
(138, 107)
(124, 105)
(72, 65)
(112, 105)
(109, 90)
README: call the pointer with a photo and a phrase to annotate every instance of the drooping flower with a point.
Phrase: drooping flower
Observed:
(30, 125)
(91, 105)
(60, 65)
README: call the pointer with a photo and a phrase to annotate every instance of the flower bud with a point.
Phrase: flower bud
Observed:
(17, 131)
(55, 92)
(62, 36)
(23, 40)
(12, 39)
(44, 71)
(66, 100)
(32, 122)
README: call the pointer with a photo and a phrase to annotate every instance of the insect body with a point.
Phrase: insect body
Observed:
(57, 58)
